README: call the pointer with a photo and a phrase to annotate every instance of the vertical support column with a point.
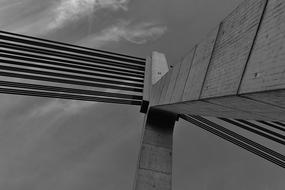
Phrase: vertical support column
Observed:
(156, 67)
(154, 169)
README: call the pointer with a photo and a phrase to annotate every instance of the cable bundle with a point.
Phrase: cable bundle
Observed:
(35, 60)
(237, 139)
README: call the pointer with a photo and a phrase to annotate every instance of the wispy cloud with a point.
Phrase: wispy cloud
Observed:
(60, 13)
(71, 10)
(60, 108)
(54, 14)
(125, 30)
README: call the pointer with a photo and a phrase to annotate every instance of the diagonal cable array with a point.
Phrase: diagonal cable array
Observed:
(26, 61)
(237, 139)
(275, 126)
(257, 129)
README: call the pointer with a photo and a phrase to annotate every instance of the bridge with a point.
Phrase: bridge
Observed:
(236, 74)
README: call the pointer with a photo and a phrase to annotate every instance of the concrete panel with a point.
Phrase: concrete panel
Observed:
(159, 90)
(159, 66)
(213, 108)
(155, 159)
(152, 156)
(232, 49)
(266, 67)
(150, 180)
(173, 108)
(199, 67)
(153, 93)
(182, 76)
(276, 97)
(171, 84)
(158, 137)
(254, 107)
(165, 86)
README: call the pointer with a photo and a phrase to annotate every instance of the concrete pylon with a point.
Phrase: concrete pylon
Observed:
(154, 169)
(159, 66)
(156, 67)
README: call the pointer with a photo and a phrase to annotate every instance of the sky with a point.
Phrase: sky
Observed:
(69, 145)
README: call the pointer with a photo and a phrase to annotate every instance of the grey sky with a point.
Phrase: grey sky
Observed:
(56, 144)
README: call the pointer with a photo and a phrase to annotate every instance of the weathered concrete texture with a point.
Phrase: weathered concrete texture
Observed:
(158, 87)
(276, 97)
(159, 66)
(154, 93)
(182, 77)
(240, 74)
(232, 49)
(158, 75)
(150, 180)
(254, 107)
(151, 157)
(215, 109)
(155, 160)
(171, 85)
(199, 67)
(266, 67)
(159, 138)
(165, 86)
(237, 107)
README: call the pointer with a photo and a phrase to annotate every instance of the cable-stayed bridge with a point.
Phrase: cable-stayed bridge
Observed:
(231, 84)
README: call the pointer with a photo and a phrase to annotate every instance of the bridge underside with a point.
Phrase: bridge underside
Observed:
(256, 106)
(236, 71)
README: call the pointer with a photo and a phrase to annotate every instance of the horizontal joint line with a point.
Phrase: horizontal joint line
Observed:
(156, 171)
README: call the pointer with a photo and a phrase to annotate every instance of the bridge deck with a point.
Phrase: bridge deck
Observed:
(237, 71)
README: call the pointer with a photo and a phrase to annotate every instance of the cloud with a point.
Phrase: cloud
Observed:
(33, 26)
(139, 34)
(60, 108)
(26, 16)
(70, 10)
(5, 4)
(46, 16)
